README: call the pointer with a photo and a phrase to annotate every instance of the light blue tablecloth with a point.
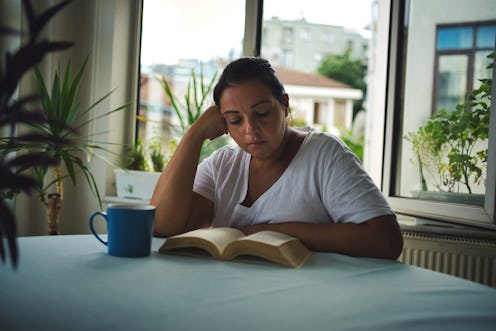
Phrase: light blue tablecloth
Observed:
(70, 283)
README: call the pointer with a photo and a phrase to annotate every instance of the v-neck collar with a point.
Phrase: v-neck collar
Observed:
(246, 173)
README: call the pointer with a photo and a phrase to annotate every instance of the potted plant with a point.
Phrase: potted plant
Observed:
(138, 179)
(449, 147)
(14, 112)
(60, 105)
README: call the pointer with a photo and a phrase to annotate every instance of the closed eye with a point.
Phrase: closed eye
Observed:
(232, 120)
(263, 113)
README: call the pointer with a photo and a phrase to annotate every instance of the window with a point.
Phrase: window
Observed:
(461, 61)
(327, 36)
(436, 162)
(306, 34)
(287, 58)
(179, 37)
(287, 35)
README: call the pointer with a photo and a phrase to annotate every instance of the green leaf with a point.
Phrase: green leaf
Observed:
(69, 166)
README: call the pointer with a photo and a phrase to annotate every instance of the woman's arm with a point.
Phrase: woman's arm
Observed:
(178, 208)
(378, 237)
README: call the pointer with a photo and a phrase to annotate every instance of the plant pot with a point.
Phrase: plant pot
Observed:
(462, 198)
(135, 184)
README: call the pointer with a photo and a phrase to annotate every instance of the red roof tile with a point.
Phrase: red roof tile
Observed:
(295, 77)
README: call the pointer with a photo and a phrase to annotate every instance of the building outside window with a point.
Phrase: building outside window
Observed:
(306, 34)
(461, 61)
(287, 35)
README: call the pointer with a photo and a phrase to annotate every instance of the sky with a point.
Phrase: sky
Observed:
(174, 29)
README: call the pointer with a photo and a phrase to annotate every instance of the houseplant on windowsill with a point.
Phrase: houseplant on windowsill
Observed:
(451, 148)
(138, 179)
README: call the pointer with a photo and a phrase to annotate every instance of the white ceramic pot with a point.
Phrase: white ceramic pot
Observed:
(135, 184)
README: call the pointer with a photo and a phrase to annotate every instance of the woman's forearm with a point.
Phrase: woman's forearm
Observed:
(173, 193)
(379, 237)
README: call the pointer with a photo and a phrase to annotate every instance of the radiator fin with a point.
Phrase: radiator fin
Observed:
(472, 259)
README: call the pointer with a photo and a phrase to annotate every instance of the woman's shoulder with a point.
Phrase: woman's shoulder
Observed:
(324, 141)
(225, 155)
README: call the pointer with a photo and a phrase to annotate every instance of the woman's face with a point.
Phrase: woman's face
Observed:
(255, 119)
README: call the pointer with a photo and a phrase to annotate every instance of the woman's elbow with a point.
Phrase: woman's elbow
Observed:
(388, 232)
(394, 239)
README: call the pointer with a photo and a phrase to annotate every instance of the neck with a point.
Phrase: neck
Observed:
(282, 154)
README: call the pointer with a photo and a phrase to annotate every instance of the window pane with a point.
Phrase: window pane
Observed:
(452, 81)
(454, 38)
(443, 156)
(178, 37)
(319, 50)
(481, 70)
(486, 36)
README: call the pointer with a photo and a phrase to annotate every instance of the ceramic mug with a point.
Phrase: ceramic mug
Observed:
(129, 229)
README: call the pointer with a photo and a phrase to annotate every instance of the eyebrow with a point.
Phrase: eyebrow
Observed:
(256, 104)
(259, 103)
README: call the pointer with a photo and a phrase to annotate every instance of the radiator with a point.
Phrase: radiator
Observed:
(472, 259)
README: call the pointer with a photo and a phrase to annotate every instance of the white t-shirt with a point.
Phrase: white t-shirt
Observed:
(324, 183)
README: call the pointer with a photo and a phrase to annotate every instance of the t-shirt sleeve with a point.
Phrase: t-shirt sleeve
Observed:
(204, 183)
(349, 193)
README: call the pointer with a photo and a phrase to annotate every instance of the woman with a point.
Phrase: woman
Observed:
(308, 185)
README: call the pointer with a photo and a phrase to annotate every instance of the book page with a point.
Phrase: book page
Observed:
(270, 245)
(271, 238)
(221, 237)
(213, 240)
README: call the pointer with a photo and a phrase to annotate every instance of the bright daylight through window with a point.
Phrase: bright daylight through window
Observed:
(319, 50)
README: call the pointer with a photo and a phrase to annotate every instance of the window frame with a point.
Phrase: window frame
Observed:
(470, 53)
(484, 217)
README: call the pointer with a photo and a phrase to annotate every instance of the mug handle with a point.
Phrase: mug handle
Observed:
(104, 215)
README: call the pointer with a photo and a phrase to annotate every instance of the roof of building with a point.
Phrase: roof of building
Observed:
(295, 77)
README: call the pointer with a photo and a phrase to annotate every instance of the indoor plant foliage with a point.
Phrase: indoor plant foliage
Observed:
(144, 164)
(14, 111)
(451, 144)
(189, 110)
(61, 107)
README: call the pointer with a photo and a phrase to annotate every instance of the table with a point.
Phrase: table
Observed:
(70, 283)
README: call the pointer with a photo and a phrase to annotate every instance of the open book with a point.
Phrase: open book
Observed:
(228, 243)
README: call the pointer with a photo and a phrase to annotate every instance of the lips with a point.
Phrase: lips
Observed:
(256, 143)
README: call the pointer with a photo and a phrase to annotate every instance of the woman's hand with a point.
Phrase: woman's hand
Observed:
(211, 124)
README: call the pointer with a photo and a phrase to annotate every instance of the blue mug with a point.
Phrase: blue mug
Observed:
(129, 229)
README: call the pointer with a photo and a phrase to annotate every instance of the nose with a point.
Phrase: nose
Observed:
(251, 126)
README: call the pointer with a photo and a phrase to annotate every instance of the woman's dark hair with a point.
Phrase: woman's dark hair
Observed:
(248, 69)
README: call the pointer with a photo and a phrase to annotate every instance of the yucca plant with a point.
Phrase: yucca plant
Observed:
(14, 111)
(65, 118)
